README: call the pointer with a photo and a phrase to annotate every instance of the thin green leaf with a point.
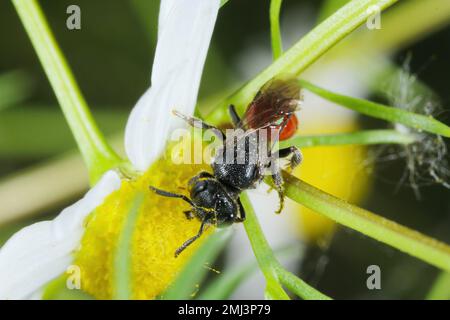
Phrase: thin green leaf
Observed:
(274, 291)
(376, 110)
(367, 137)
(263, 253)
(187, 282)
(227, 282)
(261, 248)
(123, 257)
(275, 33)
(299, 287)
(304, 52)
(441, 287)
(97, 154)
(404, 239)
(57, 290)
(269, 265)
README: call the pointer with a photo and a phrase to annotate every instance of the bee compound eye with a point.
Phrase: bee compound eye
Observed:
(198, 188)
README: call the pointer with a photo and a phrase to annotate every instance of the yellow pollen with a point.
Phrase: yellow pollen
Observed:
(161, 228)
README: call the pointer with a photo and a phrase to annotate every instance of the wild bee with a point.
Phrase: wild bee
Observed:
(243, 158)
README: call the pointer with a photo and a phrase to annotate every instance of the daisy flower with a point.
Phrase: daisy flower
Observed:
(85, 234)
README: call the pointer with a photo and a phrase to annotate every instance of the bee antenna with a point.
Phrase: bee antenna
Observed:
(188, 242)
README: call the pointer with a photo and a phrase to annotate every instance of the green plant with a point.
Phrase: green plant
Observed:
(100, 157)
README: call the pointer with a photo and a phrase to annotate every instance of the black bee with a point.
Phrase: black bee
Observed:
(214, 198)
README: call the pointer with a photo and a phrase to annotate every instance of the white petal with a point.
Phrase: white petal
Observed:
(42, 251)
(185, 30)
(164, 11)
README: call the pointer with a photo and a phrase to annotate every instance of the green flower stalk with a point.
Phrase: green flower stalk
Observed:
(97, 154)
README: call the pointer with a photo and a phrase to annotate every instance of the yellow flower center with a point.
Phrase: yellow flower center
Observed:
(161, 228)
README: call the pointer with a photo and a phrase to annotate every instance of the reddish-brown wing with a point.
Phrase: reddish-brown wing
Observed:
(274, 103)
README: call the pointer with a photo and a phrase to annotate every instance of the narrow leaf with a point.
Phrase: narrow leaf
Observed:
(299, 287)
(441, 287)
(269, 265)
(404, 239)
(226, 283)
(123, 257)
(306, 51)
(187, 282)
(97, 154)
(57, 290)
(376, 110)
(366, 137)
(275, 33)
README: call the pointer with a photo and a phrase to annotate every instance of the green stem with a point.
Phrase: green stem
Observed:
(299, 287)
(194, 272)
(269, 265)
(404, 239)
(275, 33)
(224, 285)
(262, 250)
(441, 287)
(97, 154)
(366, 137)
(376, 110)
(304, 52)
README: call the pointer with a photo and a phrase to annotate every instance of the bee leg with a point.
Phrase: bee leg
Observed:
(241, 215)
(171, 195)
(294, 152)
(278, 182)
(188, 242)
(197, 123)
(235, 119)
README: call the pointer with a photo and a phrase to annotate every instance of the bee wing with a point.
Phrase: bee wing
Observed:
(275, 100)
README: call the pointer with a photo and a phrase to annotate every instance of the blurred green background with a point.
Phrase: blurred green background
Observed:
(111, 58)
